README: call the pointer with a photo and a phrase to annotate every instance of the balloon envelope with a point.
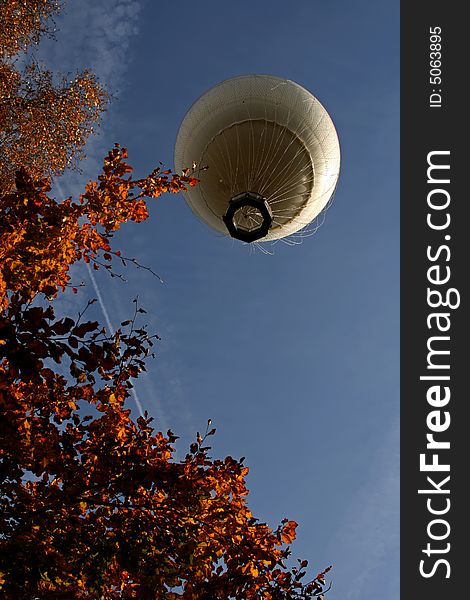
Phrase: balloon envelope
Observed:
(264, 136)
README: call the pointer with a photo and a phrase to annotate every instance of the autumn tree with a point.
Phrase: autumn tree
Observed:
(44, 122)
(23, 22)
(94, 503)
(93, 495)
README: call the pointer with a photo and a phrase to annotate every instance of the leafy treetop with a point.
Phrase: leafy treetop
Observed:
(96, 497)
(44, 123)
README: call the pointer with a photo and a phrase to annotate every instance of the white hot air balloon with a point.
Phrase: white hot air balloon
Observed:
(272, 156)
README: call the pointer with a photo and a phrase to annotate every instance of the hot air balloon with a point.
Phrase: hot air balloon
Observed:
(270, 154)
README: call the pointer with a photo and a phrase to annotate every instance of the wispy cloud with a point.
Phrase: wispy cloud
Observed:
(96, 35)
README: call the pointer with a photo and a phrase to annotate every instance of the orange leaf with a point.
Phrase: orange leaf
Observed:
(288, 532)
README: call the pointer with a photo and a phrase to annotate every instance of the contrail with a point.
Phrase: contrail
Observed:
(104, 310)
(100, 299)
(111, 329)
(102, 44)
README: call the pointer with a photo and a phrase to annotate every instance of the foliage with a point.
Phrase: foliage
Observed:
(40, 238)
(95, 497)
(44, 125)
(23, 21)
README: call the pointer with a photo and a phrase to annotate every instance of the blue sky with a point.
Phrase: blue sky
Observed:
(293, 356)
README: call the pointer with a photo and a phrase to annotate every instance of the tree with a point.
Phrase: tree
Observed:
(95, 497)
(44, 125)
(93, 503)
(23, 22)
